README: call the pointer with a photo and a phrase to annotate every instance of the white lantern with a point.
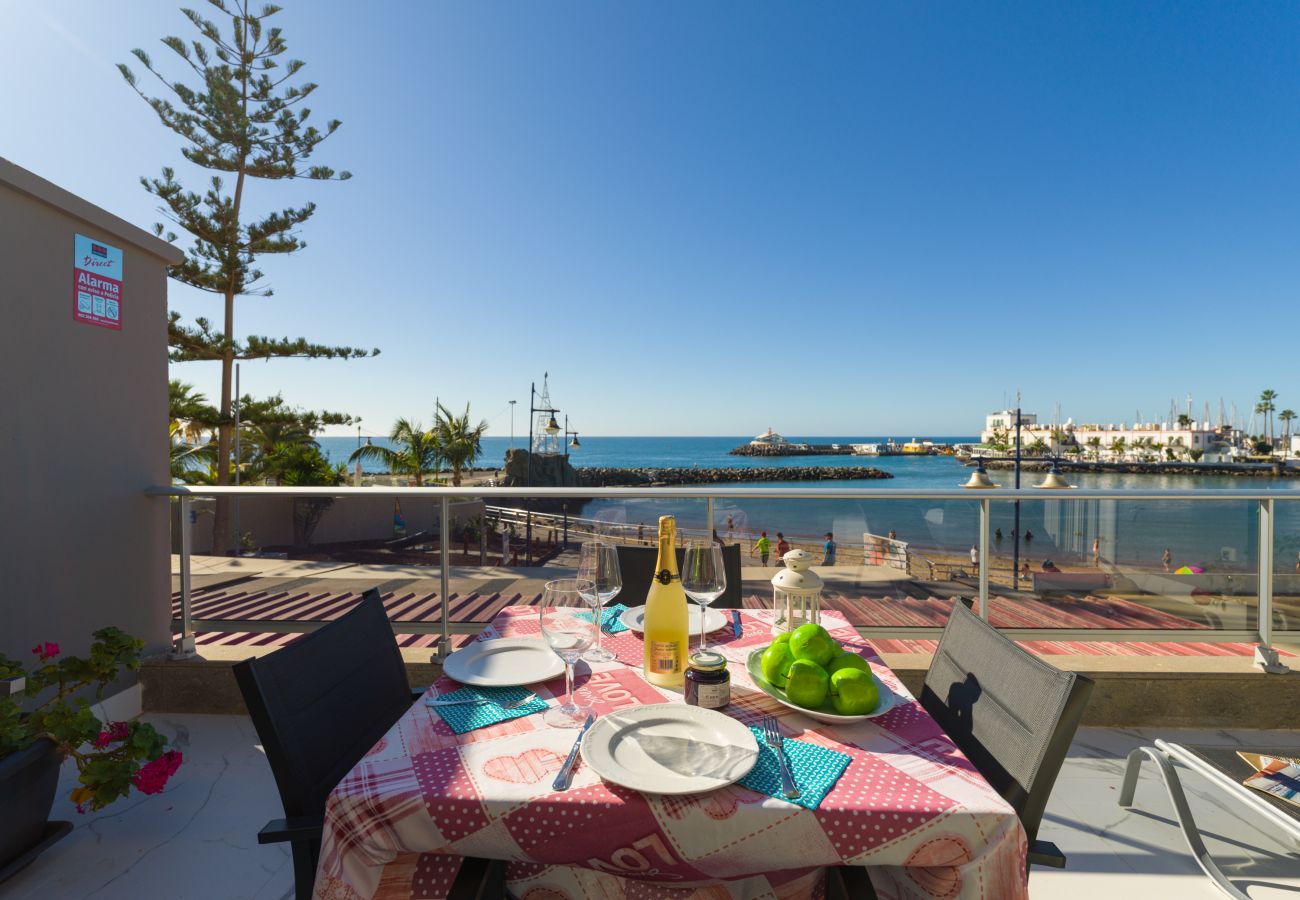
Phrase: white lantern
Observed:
(796, 593)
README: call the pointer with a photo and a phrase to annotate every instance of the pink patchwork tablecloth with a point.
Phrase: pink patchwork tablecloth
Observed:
(909, 805)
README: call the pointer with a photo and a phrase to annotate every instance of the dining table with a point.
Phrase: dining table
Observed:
(909, 806)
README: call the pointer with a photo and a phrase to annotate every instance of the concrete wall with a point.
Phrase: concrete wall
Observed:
(270, 520)
(85, 416)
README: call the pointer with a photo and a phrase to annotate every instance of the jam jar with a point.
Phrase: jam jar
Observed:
(708, 684)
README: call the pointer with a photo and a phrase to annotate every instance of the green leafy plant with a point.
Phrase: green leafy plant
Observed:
(111, 757)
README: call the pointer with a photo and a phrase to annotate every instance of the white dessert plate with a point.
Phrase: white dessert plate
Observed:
(669, 748)
(826, 712)
(714, 619)
(507, 662)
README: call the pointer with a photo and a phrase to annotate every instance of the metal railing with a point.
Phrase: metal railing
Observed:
(1265, 500)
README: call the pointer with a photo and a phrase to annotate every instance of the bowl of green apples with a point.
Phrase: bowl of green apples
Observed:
(807, 670)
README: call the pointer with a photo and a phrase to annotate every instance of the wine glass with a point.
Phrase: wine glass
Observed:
(570, 614)
(703, 578)
(599, 564)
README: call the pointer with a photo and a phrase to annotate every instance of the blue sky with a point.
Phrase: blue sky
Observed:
(712, 218)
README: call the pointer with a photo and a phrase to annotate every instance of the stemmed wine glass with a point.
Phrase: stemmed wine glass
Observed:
(570, 621)
(703, 578)
(599, 564)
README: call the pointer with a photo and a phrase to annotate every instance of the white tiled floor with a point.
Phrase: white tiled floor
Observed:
(196, 840)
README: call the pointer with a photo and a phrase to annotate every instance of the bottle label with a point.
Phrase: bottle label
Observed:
(664, 657)
(665, 577)
(714, 696)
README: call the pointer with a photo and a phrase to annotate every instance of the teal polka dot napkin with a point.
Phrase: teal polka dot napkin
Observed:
(610, 619)
(469, 716)
(815, 770)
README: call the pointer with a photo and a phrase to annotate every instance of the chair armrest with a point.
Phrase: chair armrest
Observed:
(1045, 853)
(300, 828)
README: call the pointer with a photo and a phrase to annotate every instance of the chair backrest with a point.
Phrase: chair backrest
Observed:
(321, 702)
(1011, 713)
(637, 566)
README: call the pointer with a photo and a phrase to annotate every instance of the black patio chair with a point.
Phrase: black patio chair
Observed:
(637, 566)
(319, 704)
(1012, 714)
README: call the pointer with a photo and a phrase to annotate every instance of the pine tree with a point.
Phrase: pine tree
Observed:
(244, 121)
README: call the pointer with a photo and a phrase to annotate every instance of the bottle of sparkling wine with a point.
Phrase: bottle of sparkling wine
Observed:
(665, 615)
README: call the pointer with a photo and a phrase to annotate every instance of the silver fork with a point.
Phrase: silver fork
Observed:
(435, 702)
(772, 734)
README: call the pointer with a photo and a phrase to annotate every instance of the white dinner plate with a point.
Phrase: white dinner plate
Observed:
(826, 712)
(669, 748)
(507, 662)
(714, 619)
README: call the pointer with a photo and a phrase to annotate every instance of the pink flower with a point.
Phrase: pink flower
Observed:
(153, 775)
(46, 650)
(117, 731)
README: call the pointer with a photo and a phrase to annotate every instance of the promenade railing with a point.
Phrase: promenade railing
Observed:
(1163, 565)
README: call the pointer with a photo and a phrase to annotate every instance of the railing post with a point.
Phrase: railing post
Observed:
(1265, 655)
(185, 648)
(708, 520)
(444, 554)
(984, 559)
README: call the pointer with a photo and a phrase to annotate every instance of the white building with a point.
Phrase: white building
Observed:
(1141, 442)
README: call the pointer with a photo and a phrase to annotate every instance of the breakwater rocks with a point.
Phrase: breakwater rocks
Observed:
(792, 450)
(607, 477)
(1247, 470)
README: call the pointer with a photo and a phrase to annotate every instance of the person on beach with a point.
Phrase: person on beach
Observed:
(997, 536)
(1024, 571)
(893, 535)
(731, 529)
(1167, 558)
(762, 547)
(1029, 536)
(828, 550)
(1049, 566)
(782, 546)
(974, 556)
(1096, 551)
(640, 533)
(1297, 563)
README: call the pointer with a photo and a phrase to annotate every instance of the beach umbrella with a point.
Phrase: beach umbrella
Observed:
(1189, 570)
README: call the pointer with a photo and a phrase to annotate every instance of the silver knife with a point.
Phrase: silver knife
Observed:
(735, 623)
(562, 777)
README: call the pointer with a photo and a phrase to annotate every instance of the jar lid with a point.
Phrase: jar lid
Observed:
(708, 660)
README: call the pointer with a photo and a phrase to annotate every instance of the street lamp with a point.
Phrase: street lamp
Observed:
(512, 424)
(551, 428)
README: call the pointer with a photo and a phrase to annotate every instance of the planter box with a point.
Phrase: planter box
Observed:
(28, 780)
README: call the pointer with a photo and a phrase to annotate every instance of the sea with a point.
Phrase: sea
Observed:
(1222, 535)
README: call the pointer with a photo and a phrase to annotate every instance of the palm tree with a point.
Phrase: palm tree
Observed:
(461, 443)
(1184, 420)
(417, 451)
(1117, 446)
(1266, 406)
(190, 412)
(1094, 444)
(1287, 416)
(190, 462)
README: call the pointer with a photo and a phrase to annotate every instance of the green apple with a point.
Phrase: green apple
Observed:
(808, 684)
(775, 663)
(782, 638)
(848, 660)
(853, 692)
(813, 643)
